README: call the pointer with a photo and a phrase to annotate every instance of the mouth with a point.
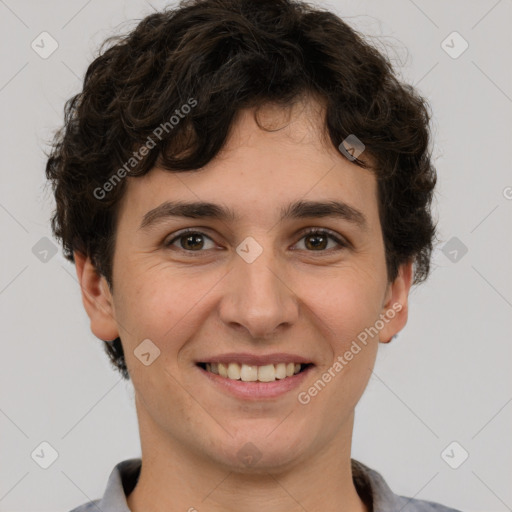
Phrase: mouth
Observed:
(255, 377)
(238, 371)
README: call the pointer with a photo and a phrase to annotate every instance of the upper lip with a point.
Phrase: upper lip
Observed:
(255, 360)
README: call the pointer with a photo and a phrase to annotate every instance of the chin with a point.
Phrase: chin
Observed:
(263, 451)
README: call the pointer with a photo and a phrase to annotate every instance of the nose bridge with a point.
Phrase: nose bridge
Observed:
(257, 296)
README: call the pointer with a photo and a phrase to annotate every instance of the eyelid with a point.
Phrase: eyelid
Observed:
(169, 240)
(340, 240)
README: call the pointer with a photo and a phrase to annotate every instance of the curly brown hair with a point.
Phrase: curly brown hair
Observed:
(222, 56)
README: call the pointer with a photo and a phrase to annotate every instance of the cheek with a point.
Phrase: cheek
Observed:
(345, 308)
(162, 304)
(344, 305)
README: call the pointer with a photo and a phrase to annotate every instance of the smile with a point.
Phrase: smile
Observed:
(254, 373)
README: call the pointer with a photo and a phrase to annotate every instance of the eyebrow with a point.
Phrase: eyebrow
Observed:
(296, 210)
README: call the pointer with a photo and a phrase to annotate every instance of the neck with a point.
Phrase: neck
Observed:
(174, 478)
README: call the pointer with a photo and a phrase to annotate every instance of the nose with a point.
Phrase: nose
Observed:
(257, 298)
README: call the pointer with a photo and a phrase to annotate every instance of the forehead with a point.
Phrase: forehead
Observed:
(261, 172)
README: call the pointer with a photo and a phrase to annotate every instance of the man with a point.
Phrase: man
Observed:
(245, 190)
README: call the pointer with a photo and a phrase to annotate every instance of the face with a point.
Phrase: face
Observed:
(255, 288)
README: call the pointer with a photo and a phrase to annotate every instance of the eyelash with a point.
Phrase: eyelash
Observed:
(311, 231)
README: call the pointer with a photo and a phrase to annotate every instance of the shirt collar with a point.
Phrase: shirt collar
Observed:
(369, 484)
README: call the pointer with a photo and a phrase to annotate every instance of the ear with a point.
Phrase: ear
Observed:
(395, 308)
(96, 298)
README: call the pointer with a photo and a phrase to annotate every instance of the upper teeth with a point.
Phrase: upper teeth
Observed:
(251, 373)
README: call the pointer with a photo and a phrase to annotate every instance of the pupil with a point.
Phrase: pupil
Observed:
(195, 239)
(317, 237)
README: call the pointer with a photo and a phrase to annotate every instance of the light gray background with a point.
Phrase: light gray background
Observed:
(445, 378)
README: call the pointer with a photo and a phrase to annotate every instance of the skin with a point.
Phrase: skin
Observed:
(308, 301)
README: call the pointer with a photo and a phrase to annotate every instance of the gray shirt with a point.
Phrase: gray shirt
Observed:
(369, 484)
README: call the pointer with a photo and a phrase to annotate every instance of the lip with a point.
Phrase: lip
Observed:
(256, 390)
(255, 360)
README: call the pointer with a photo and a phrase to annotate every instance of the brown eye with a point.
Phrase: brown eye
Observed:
(192, 241)
(317, 240)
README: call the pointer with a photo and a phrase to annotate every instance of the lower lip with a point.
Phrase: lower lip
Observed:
(257, 390)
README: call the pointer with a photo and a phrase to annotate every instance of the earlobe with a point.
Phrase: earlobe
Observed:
(395, 309)
(96, 298)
